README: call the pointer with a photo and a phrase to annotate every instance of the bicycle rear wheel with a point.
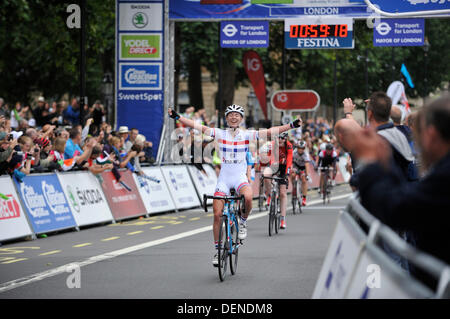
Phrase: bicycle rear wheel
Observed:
(223, 248)
(235, 244)
(261, 196)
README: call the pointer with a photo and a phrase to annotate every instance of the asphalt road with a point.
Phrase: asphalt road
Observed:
(169, 257)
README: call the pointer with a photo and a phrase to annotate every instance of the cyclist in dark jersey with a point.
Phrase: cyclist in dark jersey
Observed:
(327, 158)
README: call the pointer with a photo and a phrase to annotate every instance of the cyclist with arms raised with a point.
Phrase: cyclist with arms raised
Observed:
(233, 146)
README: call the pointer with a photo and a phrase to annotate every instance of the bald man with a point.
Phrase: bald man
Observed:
(396, 115)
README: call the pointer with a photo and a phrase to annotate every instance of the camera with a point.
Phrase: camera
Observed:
(10, 137)
(36, 150)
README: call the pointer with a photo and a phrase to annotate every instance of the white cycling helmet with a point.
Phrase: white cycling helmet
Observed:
(234, 108)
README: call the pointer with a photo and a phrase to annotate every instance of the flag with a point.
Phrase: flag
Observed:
(407, 76)
(254, 69)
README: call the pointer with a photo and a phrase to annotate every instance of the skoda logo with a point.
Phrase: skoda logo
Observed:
(229, 30)
(140, 20)
(173, 180)
(72, 199)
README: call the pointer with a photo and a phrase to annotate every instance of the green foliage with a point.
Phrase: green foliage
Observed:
(40, 53)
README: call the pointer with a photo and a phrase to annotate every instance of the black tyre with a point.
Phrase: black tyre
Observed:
(278, 217)
(299, 198)
(294, 198)
(272, 215)
(223, 249)
(234, 255)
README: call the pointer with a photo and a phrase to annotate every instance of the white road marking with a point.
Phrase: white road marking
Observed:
(92, 260)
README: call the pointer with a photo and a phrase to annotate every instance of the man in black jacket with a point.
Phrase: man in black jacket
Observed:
(424, 206)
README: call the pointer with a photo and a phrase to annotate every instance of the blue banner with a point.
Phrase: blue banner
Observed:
(399, 6)
(248, 9)
(44, 201)
(244, 34)
(140, 67)
(399, 32)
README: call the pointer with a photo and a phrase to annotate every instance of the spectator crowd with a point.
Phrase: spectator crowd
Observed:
(53, 136)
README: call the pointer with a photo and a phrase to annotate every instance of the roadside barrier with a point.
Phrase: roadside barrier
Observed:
(356, 267)
(51, 202)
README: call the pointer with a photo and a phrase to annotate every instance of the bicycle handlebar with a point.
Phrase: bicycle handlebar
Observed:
(225, 198)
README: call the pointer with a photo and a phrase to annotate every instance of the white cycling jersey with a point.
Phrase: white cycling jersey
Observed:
(233, 150)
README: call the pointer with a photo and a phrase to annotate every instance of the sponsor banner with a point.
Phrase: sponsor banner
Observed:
(244, 34)
(144, 76)
(399, 6)
(139, 84)
(180, 186)
(140, 46)
(13, 222)
(319, 33)
(204, 183)
(85, 197)
(399, 32)
(156, 196)
(140, 16)
(340, 260)
(378, 277)
(264, 9)
(45, 203)
(122, 202)
(255, 72)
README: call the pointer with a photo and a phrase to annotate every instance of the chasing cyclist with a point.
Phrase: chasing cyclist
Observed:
(299, 160)
(327, 158)
(233, 147)
(280, 165)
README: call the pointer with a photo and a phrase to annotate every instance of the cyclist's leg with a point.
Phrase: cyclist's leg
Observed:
(221, 190)
(283, 199)
(304, 187)
(246, 190)
(267, 173)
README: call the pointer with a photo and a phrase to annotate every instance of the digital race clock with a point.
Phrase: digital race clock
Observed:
(314, 33)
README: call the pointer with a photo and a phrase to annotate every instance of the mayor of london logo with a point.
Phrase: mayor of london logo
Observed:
(140, 20)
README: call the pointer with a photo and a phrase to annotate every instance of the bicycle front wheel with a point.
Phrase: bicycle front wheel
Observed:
(272, 215)
(278, 217)
(294, 197)
(235, 244)
(222, 249)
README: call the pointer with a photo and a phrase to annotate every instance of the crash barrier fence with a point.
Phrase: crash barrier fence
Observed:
(50, 202)
(357, 266)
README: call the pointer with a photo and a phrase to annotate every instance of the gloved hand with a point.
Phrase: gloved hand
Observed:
(173, 114)
(296, 123)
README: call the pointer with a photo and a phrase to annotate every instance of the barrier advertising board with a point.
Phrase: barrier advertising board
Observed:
(85, 197)
(45, 203)
(378, 277)
(340, 260)
(204, 183)
(123, 203)
(13, 222)
(156, 196)
(180, 186)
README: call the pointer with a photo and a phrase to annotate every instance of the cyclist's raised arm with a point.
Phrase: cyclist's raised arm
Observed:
(188, 122)
(276, 130)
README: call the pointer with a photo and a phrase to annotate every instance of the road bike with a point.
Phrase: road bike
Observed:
(274, 206)
(261, 198)
(296, 193)
(327, 184)
(229, 243)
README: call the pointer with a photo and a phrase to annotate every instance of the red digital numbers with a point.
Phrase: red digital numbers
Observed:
(318, 31)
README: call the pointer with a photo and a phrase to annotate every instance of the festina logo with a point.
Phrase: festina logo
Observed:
(315, 43)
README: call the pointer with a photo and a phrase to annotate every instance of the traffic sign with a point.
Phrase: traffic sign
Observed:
(399, 32)
(295, 100)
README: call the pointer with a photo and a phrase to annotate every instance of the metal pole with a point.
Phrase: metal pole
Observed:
(219, 93)
(366, 71)
(335, 90)
(82, 58)
(283, 61)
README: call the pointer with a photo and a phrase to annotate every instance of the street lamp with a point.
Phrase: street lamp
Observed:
(107, 89)
(252, 103)
(426, 48)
